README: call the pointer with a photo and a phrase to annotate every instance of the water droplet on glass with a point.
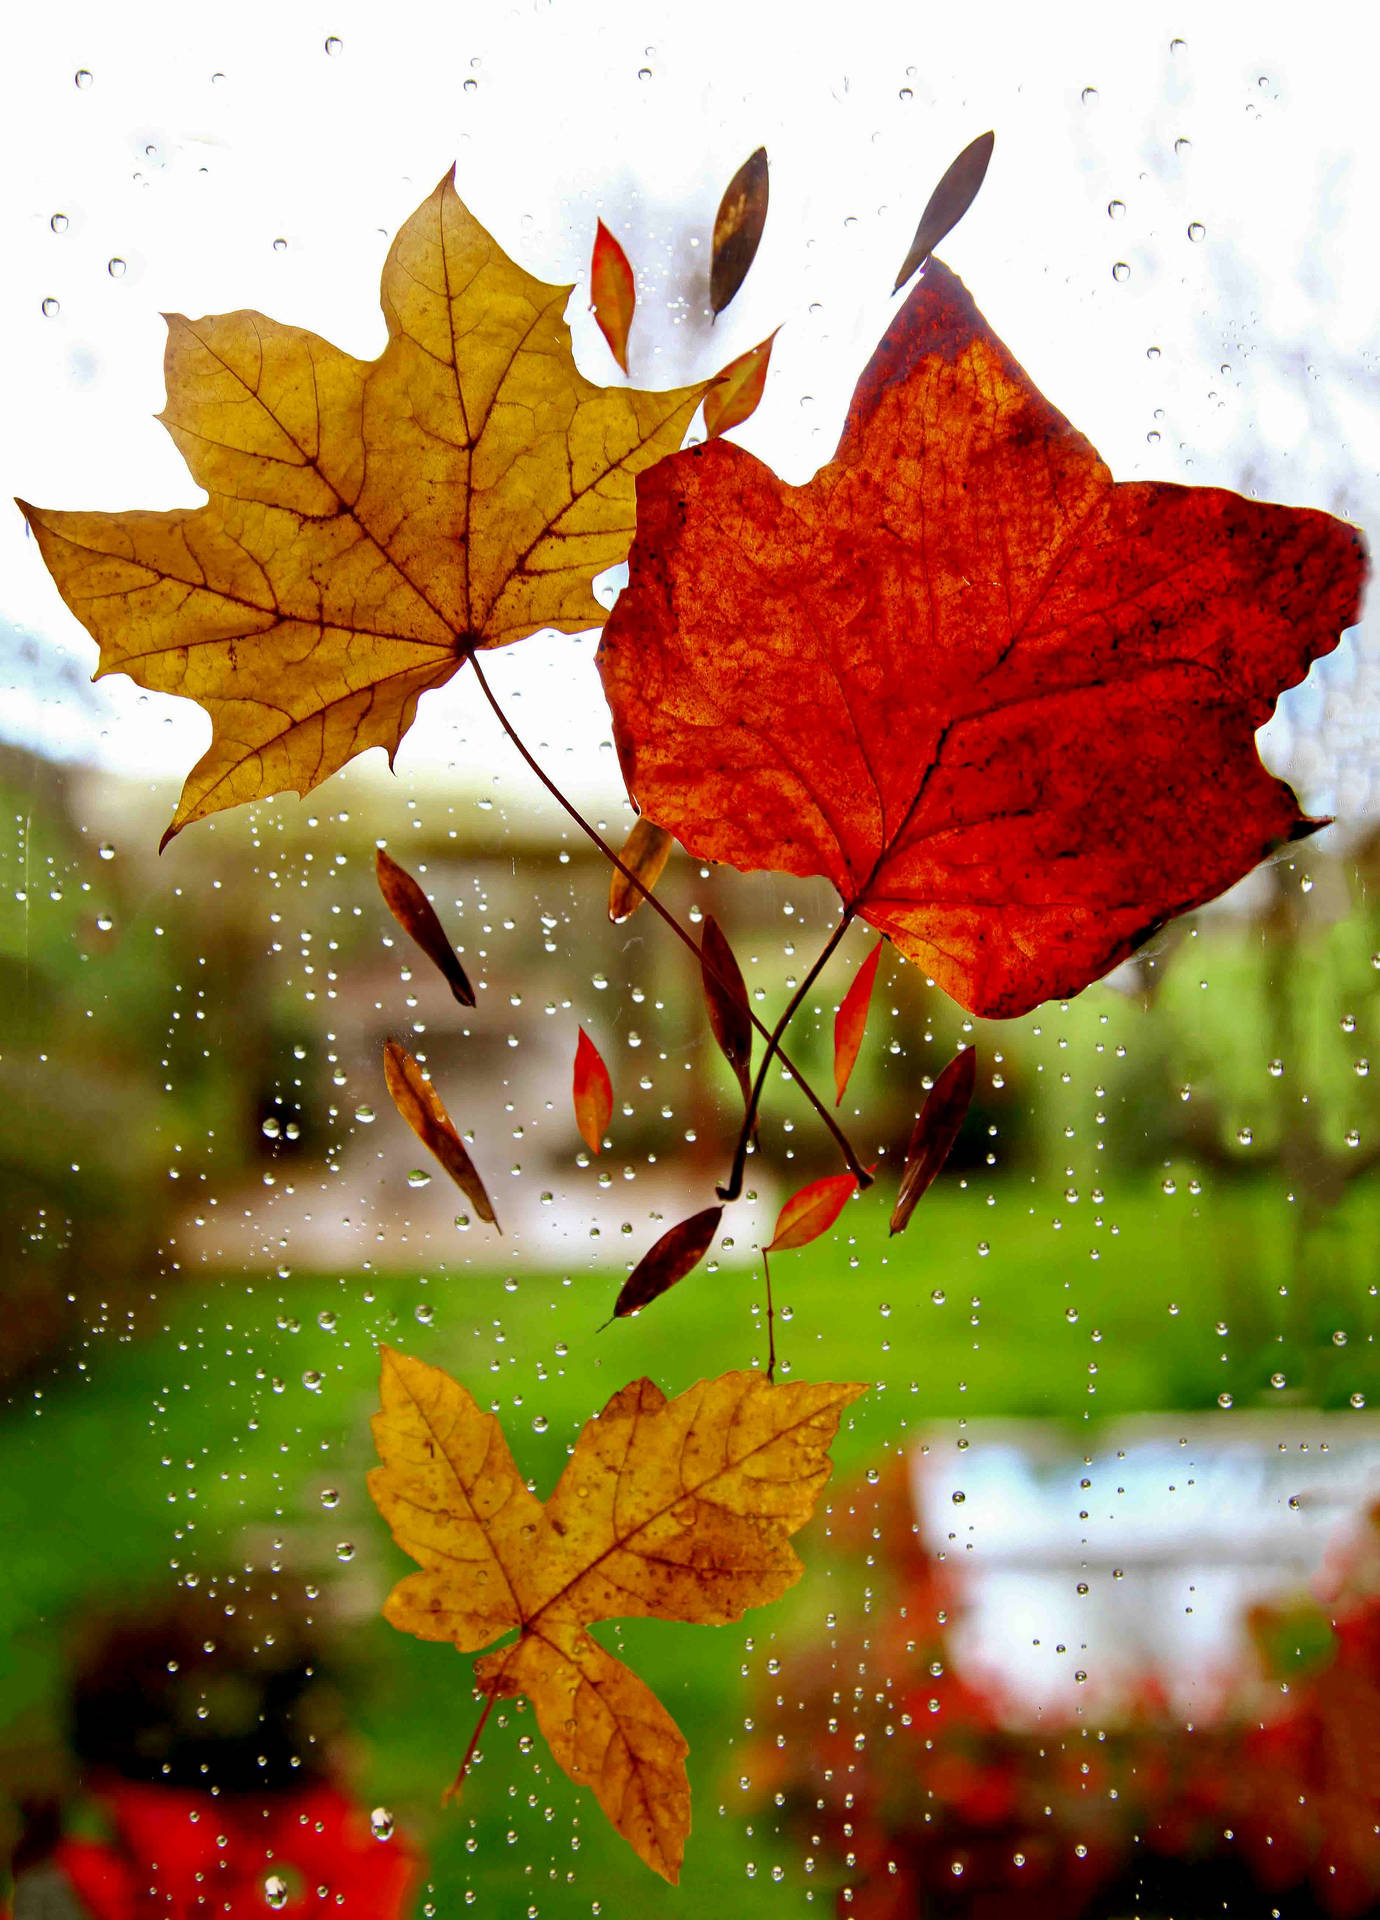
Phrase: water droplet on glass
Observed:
(1275, 1068)
(58, 223)
(905, 94)
(1358, 1400)
(270, 1128)
(1224, 1399)
(345, 1550)
(330, 1497)
(312, 1380)
(540, 1423)
(1245, 1135)
(1153, 437)
(1278, 1380)
(326, 1320)
(1121, 271)
(381, 1823)
(51, 308)
(276, 1891)
(280, 245)
(334, 44)
(471, 86)
(1089, 96)
(1339, 1338)
(364, 1115)
(1116, 209)
(1183, 145)
(1196, 230)
(82, 78)
(115, 267)
(419, 1177)
(939, 1296)
(958, 1498)
(424, 1313)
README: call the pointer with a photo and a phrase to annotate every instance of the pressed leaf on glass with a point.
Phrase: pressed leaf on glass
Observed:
(420, 1105)
(811, 1212)
(738, 228)
(725, 994)
(678, 1252)
(645, 853)
(1007, 706)
(612, 293)
(676, 1509)
(418, 919)
(735, 395)
(948, 203)
(592, 1091)
(371, 524)
(931, 1142)
(850, 1022)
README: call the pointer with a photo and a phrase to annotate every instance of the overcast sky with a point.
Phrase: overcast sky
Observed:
(203, 136)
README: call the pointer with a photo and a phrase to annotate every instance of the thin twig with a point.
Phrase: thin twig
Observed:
(453, 1791)
(683, 934)
(771, 1331)
(734, 1184)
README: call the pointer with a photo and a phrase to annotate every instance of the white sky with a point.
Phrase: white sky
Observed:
(207, 134)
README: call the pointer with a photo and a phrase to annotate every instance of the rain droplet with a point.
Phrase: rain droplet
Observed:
(276, 1891)
(1121, 271)
(1152, 353)
(471, 86)
(644, 73)
(1358, 1400)
(115, 267)
(958, 1498)
(905, 94)
(270, 1128)
(424, 1313)
(419, 1177)
(1196, 230)
(1339, 1338)
(939, 1296)
(326, 1320)
(381, 1823)
(330, 1497)
(59, 223)
(1183, 145)
(345, 1550)
(83, 78)
(364, 1115)
(1245, 1135)
(334, 44)
(1089, 96)
(540, 1423)
(1224, 1399)
(312, 1380)
(51, 308)
(1275, 1069)
(1116, 209)
(1278, 1380)
(280, 245)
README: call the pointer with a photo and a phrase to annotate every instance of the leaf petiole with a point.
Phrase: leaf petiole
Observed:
(684, 935)
(456, 1787)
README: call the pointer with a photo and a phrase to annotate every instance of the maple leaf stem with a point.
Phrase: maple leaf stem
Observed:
(733, 1186)
(456, 1786)
(683, 933)
(771, 1326)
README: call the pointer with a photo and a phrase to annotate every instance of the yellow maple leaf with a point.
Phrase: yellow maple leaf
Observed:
(370, 523)
(682, 1509)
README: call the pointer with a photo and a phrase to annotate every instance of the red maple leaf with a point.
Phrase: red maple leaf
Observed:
(1005, 705)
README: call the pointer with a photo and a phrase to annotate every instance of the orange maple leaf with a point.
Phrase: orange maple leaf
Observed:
(370, 523)
(681, 1509)
(1007, 707)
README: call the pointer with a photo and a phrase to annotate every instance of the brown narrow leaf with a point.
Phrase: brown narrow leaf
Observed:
(593, 1092)
(935, 1133)
(948, 203)
(734, 396)
(850, 1022)
(645, 851)
(811, 1212)
(675, 1254)
(612, 293)
(420, 1105)
(416, 916)
(738, 229)
(726, 996)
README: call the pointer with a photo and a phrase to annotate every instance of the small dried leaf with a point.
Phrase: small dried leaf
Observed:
(593, 1091)
(645, 852)
(420, 1105)
(734, 396)
(935, 1132)
(725, 994)
(948, 203)
(675, 1254)
(811, 1212)
(850, 1022)
(612, 293)
(416, 916)
(738, 229)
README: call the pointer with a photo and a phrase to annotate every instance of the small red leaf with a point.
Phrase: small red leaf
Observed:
(645, 853)
(811, 1212)
(738, 229)
(935, 1132)
(734, 396)
(420, 1105)
(593, 1092)
(675, 1254)
(850, 1022)
(612, 293)
(725, 994)
(948, 203)
(416, 916)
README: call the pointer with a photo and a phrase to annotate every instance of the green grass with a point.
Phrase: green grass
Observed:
(86, 1513)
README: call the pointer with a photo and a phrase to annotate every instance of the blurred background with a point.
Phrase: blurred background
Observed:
(1090, 1614)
